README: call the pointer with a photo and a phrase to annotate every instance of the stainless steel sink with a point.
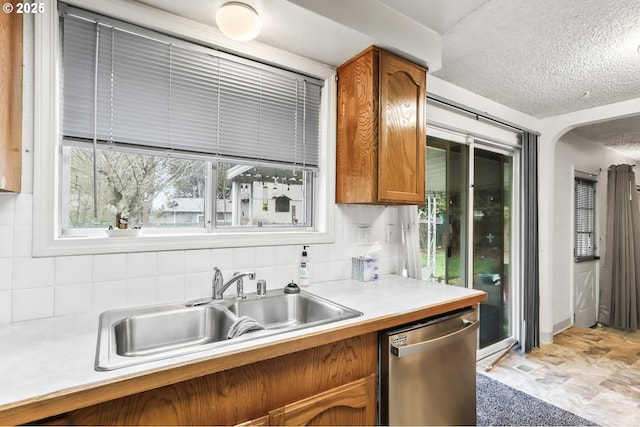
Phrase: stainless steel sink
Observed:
(166, 330)
(138, 335)
(277, 310)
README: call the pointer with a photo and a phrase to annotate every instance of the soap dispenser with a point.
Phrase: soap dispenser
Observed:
(304, 272)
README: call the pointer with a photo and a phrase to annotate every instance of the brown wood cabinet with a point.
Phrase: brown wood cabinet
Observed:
(381, 133)
(330, 384)
(10, 101)
(352, 404)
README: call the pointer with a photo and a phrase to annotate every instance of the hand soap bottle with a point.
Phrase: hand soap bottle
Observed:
(304, 272)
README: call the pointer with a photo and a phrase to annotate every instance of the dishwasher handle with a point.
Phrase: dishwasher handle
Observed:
(421, 347)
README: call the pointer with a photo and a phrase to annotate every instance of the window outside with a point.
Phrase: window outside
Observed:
(261, 196)
(164, 134)
(585, 199)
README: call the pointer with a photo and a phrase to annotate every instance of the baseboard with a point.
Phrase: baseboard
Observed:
(546, 337)
(561, 326)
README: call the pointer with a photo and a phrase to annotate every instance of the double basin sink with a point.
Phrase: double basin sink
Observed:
(133, 336)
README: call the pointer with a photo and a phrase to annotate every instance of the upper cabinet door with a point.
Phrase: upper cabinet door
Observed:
(402, 139)
(381, 130)
(10, 101)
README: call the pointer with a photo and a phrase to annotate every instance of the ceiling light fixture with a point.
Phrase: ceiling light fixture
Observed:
(238, 21)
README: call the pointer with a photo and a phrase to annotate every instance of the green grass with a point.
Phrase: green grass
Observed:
(480, 265)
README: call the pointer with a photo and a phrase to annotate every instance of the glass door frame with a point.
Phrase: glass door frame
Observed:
(461, 140)
(515, 284)
(515, 256)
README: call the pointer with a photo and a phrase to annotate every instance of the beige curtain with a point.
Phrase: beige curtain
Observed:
(620, 274)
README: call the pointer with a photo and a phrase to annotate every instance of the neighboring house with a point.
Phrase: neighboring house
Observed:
(188, 212)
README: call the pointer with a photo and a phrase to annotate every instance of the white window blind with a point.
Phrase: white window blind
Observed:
(585, 220)
(126, 85)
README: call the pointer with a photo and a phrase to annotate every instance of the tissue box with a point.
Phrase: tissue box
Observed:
(364, 269)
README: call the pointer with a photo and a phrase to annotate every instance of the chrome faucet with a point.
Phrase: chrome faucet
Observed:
(219, 286)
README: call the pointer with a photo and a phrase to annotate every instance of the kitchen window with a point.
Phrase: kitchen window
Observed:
(163, 134)
(175, 135)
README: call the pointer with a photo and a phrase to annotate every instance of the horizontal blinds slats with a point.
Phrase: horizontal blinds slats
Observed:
(585, 218)
(156, 94)
(194, 101)
(141, 91)
(78, 77)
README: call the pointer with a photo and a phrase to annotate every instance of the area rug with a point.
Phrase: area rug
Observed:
(501, 405)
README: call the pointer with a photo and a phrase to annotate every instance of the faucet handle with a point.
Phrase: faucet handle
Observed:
(217, 283)
(240, 283)
(250, 274)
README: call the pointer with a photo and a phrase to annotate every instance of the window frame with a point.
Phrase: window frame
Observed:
(592, 181)
(47, 237)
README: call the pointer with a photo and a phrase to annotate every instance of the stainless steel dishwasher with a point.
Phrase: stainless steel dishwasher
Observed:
(428, 371)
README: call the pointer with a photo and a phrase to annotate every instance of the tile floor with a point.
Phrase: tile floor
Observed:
(594, 373)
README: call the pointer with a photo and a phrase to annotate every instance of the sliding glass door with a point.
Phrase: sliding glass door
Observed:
(443, 217)
(491, 243)
(467, 226)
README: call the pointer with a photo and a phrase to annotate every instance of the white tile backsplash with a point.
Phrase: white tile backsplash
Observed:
(266, 256)
(6, 237)
(141, 291)
(270, 274)
(197, 261)
(7, 207)
(6, 268)
(43, 287)
(365, 215)
(170, 262)
(73, 270)
(5, 307)
(23, 211)
(171, 288)
(30, 304)
(72, 299)
(141, 264)
(316, 253)
(32, 272)
(109, 267)
(222, 258)
(109, 295)
(286, 273)
(244, 258)
(349, 213)
(320, 271)
(22, 240)
(286, 254)
(197, 285)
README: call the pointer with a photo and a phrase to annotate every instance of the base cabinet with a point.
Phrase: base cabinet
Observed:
(353, 404)
(333, 384)
(261, 421)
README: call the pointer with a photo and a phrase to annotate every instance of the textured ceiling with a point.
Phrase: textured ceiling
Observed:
(547, 57)
(622, 135)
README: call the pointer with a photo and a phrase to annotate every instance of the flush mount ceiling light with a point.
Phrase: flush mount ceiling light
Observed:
(238, 21)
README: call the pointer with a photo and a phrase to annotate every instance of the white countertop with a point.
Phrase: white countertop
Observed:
(40, 357)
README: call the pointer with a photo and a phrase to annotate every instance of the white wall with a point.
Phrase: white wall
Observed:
(575, 153)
